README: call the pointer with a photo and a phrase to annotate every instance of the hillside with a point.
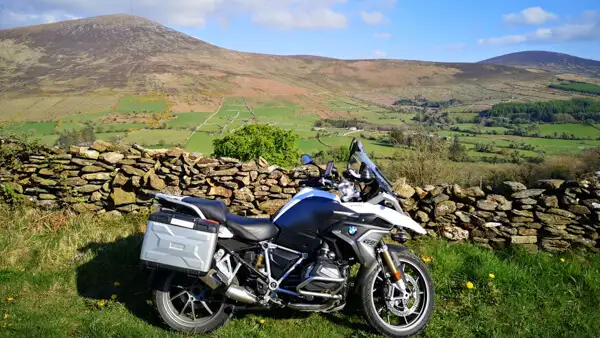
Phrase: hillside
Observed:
(550, 61)
(129, 53)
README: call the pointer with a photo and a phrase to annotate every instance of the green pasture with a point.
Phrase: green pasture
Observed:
(188, 120)
(134, 103)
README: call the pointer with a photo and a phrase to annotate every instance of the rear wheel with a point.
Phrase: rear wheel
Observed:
(385, 308)
(188, 305)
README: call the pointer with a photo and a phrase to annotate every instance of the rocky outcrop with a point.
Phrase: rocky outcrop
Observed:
(552, 215)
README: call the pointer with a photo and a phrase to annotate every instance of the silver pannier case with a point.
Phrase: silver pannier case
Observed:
(178, 241)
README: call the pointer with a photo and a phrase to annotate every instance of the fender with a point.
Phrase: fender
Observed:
(364, 271)
(390, 215)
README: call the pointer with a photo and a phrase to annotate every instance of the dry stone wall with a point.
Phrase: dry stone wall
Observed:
(553, 215)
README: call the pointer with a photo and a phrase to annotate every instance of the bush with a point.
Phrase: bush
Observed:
(276, 145)
(85, 136)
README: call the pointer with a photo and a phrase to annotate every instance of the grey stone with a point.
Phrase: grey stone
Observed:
(97, 177)
(548, 184)
(511, 186)
(528, 193)
(455, 233)
(487, 205)
(405, 191)
(91, 169)
(112, 157)
(444, 208)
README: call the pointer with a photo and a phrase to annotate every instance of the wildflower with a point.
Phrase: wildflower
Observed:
(101, 303)
(469, 285)
(117, 284)
(492, 276)
(9, 299)
(262, 321)
(113, 297)
(426, 259)
(5, 316)
(562, 260)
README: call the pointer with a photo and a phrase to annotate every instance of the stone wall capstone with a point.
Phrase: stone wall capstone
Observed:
(553, 215)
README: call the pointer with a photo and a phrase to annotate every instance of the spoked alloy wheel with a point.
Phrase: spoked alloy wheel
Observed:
(386, 308)
(187, 304)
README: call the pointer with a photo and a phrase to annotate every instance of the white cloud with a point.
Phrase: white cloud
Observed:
(284, 14)
(319, 18)
(584, 28)
(530, 16)
(504, 40)
(373, 18)
(379, 53)
(35, 18)
(382, 35)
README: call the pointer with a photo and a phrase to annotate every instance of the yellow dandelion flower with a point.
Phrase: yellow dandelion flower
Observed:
(9, 299)
(101, 303)
(492, 276)
(113, 297)
(262, 321)
(469, 285)
(426, 259)
(117, 284)
(562, 260)
(5, 316)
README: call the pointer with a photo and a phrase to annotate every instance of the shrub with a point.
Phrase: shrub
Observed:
(276, 145)
(85, 136)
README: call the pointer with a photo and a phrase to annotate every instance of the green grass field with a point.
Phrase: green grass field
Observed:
(157, 137)
(134, 103)
(579, 130)
(59, 271)
(188, 120)
(578, 87)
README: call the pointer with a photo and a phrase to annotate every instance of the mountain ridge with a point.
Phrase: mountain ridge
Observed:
(124, 52)
(550, 61)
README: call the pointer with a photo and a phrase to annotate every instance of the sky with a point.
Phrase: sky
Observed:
(434, 30)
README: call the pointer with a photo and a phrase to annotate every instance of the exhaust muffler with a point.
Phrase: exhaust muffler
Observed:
(232, 291)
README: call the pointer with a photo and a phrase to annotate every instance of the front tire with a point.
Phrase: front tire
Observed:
(395, 317)
(186, 304)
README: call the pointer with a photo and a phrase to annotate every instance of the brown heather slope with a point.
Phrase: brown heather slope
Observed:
(123, 53)
(550, 61)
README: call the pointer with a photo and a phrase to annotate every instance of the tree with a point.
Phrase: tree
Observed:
(457, 152)
(276, 145)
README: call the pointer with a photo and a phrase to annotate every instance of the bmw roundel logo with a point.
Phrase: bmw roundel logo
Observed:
(352, 230)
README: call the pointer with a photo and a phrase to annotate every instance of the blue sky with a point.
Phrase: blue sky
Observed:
(434, 30)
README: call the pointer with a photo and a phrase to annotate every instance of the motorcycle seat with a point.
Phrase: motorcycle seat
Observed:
(215, 210)
(252, 229)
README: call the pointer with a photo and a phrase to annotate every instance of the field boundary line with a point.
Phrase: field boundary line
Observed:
(203, 123)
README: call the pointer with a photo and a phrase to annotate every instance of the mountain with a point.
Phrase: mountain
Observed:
(550, 61)
(132, 54)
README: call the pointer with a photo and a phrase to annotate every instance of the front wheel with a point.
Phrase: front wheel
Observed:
(385, 308)
(188, 305)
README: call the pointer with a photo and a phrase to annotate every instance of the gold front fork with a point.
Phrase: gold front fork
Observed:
(387, 258)
(395, 273)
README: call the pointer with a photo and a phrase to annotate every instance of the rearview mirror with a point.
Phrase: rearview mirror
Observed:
(305, 159)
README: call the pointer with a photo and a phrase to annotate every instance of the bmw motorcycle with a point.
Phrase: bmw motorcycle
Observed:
(207, 263)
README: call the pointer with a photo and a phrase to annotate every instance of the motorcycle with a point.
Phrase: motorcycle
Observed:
(207, 263)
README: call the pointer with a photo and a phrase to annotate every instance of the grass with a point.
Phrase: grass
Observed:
(154, 137)
(56, 267)
(132, 103)
(578, 87)
(188, 120)
(579, 130)
(201, 142)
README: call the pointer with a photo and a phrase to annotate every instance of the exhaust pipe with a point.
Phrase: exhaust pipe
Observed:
(232, 291)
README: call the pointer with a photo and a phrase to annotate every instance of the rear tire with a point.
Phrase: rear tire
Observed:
(375, 288)
(194, 299)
